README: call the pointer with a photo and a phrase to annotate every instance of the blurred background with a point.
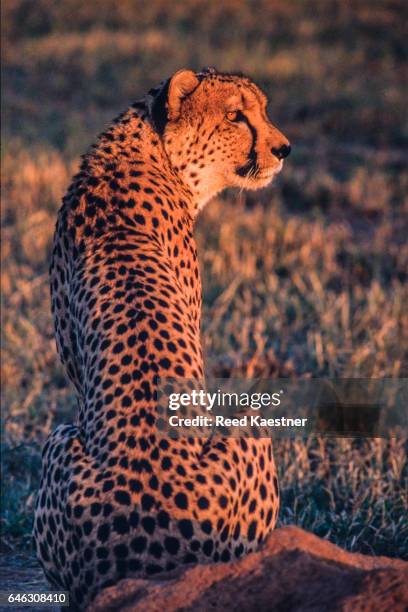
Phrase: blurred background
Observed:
(308, 278)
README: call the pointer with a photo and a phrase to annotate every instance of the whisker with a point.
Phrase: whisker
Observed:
(254, 169)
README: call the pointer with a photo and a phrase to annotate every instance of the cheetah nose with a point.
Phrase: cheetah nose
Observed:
(282, 151)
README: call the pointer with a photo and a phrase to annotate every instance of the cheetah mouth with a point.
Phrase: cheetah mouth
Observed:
(268, 173)
(256, 177)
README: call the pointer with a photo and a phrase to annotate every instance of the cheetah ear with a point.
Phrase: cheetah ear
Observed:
(182, 84)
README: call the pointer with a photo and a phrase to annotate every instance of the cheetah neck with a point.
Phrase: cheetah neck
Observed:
(132, 144)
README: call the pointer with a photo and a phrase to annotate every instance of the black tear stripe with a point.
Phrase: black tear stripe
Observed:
(159, 110)
(252, 159)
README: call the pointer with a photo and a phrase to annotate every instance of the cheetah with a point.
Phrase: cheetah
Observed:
(116, 499)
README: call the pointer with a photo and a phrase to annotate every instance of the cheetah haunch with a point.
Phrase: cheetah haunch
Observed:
(116, 499)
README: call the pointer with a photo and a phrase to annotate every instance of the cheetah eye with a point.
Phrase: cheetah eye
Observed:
(232, 115)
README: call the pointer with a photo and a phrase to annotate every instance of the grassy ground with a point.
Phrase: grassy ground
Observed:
(307, 279)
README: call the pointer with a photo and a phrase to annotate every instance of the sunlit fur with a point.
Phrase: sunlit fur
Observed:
(117, 499)
(207, 149)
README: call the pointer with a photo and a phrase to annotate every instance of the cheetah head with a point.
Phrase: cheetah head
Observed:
(217, 133)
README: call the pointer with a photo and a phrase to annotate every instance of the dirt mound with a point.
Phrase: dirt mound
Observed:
(294, 571)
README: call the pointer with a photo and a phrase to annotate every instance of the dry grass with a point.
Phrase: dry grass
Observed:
(307, 279)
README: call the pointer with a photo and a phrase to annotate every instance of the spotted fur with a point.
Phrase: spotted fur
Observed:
(116, 499)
